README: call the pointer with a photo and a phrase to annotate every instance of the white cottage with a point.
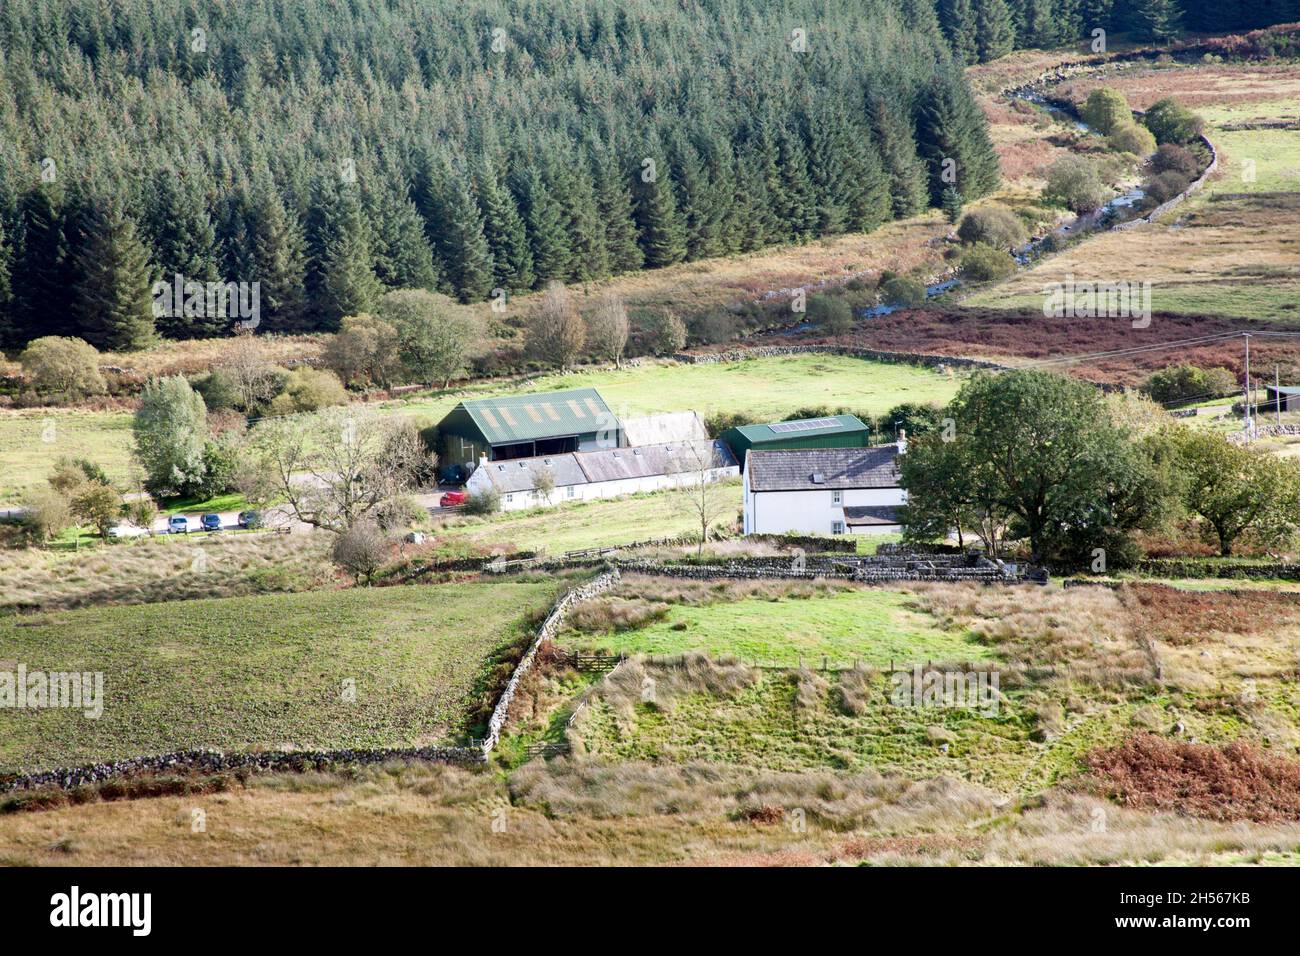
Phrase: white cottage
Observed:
(824, 490)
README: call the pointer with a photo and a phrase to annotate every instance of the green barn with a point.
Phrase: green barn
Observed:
(838, 431)
(525, 426)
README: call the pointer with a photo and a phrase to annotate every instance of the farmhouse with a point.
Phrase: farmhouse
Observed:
(528, 426)
(837, 431)
(824, 490)
(607, 473)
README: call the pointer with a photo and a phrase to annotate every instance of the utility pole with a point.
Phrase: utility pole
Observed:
(1248, 418)
(1277, 394)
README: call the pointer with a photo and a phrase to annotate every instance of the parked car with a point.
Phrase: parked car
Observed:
(211, 522)
(452, 498)
(178, 524)
(126, 531)
(249, 519)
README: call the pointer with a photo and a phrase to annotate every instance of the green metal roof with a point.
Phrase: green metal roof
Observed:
(802, 428)
(513, 418)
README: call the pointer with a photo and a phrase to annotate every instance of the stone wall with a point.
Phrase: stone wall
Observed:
(876, 355)
(1178, 200)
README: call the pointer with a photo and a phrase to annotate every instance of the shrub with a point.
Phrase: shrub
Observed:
(400, 513)
(1132, 138)
(1171, 122)
(483, 502)
(1165, 186)
(218, 388)
(902, 292)
(994, 225)
(667, 333)
(46, 514)
(360, 550)
(1075, 182)
(364, 352)
(66, 366)
(718, 422)
(1175, 158)
(1182, 383)
(830, 313)
(311, 389)
(98, 505)
(1106, 110)
(983, 263)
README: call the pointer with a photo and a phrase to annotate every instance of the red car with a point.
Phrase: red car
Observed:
(452, 498)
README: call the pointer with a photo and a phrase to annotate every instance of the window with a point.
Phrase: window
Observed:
(837, 527)
(568, 491)
(837, 497)
(509, 498)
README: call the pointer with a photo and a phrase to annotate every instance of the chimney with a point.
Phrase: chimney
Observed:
(902, 441)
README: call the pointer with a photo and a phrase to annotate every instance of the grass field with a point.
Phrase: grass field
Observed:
(586, 524)
(768, 388)
(265, 672)
(1231, 250)
(32, 441)
(874, 626)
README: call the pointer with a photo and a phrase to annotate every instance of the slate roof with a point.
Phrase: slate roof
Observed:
(839, 468)
(856, 516)
(803, 428)
(613, 464)
(514, 418)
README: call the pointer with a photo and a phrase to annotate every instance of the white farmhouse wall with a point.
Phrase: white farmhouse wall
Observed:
(814, 512)
(519, 500)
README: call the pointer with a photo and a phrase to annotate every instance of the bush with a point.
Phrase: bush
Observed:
(1132, 138)
(718, 422)
(360, 550)
(1182, 383)
(483, 502)
(46, 514)
(365, 351)
(64, 366)
(1175, 158)
(311, 389)
(1106, 110)
(400, 513)
(983, 263)
(902, 292)
(1165, 186)
(1075, 182)
(218, 389)
(1171, 122)
(666, 333)
(830, 313)
(993, 224)
(98, 505)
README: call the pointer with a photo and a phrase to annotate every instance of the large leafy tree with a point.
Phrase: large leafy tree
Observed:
(170, 429)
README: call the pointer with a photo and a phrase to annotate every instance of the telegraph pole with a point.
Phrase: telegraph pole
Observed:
(1248, 418)
(1277, 394)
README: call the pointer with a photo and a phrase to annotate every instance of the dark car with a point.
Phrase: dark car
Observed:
(452, 498)
(250, 519)
(211, 522)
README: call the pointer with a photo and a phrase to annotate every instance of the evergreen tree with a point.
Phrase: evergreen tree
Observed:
(1155, 19)
(277, 261)
(179, 229)
(663, 234)
(546, 231)
(952, 204)
(957, 20)
(6, 266)
(700, 208)
(954, 139)
(798, 211)
(403, 259)
(572, 188)
(906, 172)
(466, 257)
(503, 227)
(341, 277)
(618, 213)
(42, 274)
(112, 301)
(995, 31)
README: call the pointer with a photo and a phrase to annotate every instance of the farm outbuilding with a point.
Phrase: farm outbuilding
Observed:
(606, 473)
(528, 426)
(1287, 397)
(836, 431)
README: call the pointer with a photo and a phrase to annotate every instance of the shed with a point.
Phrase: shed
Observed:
(528, 426)
(836, 431)
(1287, 397)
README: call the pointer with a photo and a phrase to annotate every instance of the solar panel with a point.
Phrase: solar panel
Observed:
(806, 424)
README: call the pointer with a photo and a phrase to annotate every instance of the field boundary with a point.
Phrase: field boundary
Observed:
(749, 353)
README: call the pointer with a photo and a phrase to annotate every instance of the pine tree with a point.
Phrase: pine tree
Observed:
(42, 274)
(835, 189)
(618, 213)
(341, 278)
(699, 206)
(403, 258)
(276, 260)
(663, 234)
(957, 20)
(572, 188)
(546, 232)
(1155, 19)
(466, 257)
(7, 336)
(906, 173)
(179, 229)
(951, 204)
(954, 139)
(798, 211)
(870, 203)
(112, 302)
(995, 31)
(503, 227)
